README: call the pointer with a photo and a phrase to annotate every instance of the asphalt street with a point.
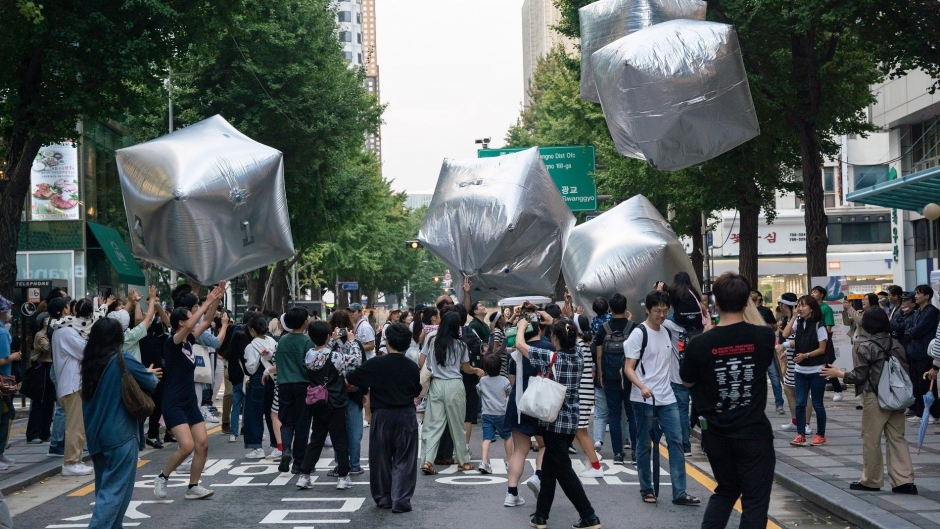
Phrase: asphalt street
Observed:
(249, 493)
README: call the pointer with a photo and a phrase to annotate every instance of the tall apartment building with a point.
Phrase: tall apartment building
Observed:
(539, 17)
(357, 33)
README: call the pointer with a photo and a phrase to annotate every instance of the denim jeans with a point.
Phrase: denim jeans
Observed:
(238, 397)
(600, 414)
(354, 434)
(682, 404)
(115, 470)
(773, 373)
(57, 440)
(668, 419)
(254, 412)
(618, 400)
(806, 385)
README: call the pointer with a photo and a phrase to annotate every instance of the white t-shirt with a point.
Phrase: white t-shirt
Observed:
(657, 362)
(365, 334)
(821, 335)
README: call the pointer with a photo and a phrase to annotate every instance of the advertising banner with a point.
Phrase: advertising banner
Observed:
(54, 183)
(835, 288)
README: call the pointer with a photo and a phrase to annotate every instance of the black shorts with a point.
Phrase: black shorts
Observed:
(184, 413)
(473, 398)
(527, 426)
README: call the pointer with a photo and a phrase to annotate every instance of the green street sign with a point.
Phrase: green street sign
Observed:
(571, 169)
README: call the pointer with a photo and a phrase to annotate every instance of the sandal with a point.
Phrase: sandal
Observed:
(649, 497)
(687, 500)
(466, 467)
(428, 469)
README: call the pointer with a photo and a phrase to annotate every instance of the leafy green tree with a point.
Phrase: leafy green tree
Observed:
(61, 62)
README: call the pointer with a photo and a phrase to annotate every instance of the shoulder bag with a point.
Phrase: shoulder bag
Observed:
(138, 403)
(895, 390)
(544, 397)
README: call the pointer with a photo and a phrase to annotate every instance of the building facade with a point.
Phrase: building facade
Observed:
(539, 17)
(357, 34)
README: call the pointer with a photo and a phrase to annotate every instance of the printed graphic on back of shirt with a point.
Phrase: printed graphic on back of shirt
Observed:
(734, 373)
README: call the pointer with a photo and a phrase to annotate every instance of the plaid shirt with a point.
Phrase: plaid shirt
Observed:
(568, 368)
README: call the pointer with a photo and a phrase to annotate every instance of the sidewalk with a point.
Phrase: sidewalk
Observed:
(32, 464)
(822, 474)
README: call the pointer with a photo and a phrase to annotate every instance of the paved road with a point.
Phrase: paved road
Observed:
(249, 493)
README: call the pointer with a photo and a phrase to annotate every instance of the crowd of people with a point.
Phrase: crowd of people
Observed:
(435, 371)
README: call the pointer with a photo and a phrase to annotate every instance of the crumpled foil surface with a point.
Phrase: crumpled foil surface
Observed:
(626, 250)
(676, 94)
(206, 201)
(605, 21)
(499, 221)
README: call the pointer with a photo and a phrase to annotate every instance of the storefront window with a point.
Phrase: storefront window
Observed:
(46, 265)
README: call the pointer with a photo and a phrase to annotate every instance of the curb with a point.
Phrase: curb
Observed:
(21, 482)
(832, 498)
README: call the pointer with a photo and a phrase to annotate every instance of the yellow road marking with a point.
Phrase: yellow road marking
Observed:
(708, 483)
(215, 430)
(88, 489)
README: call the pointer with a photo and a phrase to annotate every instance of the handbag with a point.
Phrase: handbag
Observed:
(316, 394)
(544, 397)
(7, 385)
(138, 403)
(35, 381)
(203, 371)
(425, 381)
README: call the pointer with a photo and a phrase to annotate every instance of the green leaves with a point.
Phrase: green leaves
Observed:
(31, 11)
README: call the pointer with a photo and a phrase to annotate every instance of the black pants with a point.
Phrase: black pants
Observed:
(556, 468)
(916, 368)
(325, 419)
(445, 450)
(153, 427)
(39, 424)
(269, 390)
(393, 450)
(295, 417)
(743, 468)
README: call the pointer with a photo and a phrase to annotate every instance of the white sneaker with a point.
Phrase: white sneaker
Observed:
(159, 487)
(809, 431)
(275, 454)
(599, 457)
(328, 443)
(365, 424)
(598, 445)
(210, 418)
(343, 483)
(485, 468)
(78, 469)
(837, 397)
(257, 453)
(513, 501)
(790, 427)
(914, 419)
(10, 461)
(303, 482)
(233, 438)
(591, 472)
(198, 493)
(534, 484)
(931, 420)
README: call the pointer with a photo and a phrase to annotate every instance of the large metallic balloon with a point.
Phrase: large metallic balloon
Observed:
(625, 250)
(605, 21)
(676, 94)
(500, 221)
(206, 201)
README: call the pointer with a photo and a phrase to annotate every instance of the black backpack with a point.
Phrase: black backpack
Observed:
(612, 350)
(474, 345)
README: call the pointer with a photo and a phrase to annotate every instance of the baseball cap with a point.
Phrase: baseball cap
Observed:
(907, 295)
(355, 307)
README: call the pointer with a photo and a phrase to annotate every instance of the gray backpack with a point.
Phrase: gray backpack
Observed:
(895, 390)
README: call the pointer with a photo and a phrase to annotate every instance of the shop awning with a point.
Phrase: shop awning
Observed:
(118, 253)
(911, 192)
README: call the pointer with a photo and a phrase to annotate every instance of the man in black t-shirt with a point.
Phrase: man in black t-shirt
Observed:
(727, 370)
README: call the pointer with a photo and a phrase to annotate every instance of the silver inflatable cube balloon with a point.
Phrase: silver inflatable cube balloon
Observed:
(605, 21)
(676, 94)
(500, 221)
(206, 201)
(625, 250)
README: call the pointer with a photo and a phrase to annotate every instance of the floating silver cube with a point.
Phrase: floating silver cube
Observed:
(605, 21)
(626, 250)
(206, 201)
(499, 221)
(676, 94)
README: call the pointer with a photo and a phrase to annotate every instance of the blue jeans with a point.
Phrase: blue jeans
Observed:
(354, 434)
(682, 404)
(773, 373)
(668, 418)
(115, 471)
(254, 412)
(806, 385)
(57, 439)
(618, 400)
(600, 414)
(238, 397)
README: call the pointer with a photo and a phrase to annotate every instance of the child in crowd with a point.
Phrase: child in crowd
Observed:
(493, 390)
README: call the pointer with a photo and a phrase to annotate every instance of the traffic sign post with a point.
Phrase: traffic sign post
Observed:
(349, 287)
(571, 169)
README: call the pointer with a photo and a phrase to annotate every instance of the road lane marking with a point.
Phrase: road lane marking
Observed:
(88, 489)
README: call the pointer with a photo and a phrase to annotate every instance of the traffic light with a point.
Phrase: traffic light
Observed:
(437, 279)
(413, 245)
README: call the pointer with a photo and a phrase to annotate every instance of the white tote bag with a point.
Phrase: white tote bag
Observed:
(544, 397)
(203, 372)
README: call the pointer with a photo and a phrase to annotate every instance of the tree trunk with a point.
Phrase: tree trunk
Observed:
(256, 286)
(817, 240)
(698, 251)
(277, 296)
(748, 256)
(12, 197)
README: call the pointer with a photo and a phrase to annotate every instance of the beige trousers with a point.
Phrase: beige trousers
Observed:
(876, 421)
(74, 427)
